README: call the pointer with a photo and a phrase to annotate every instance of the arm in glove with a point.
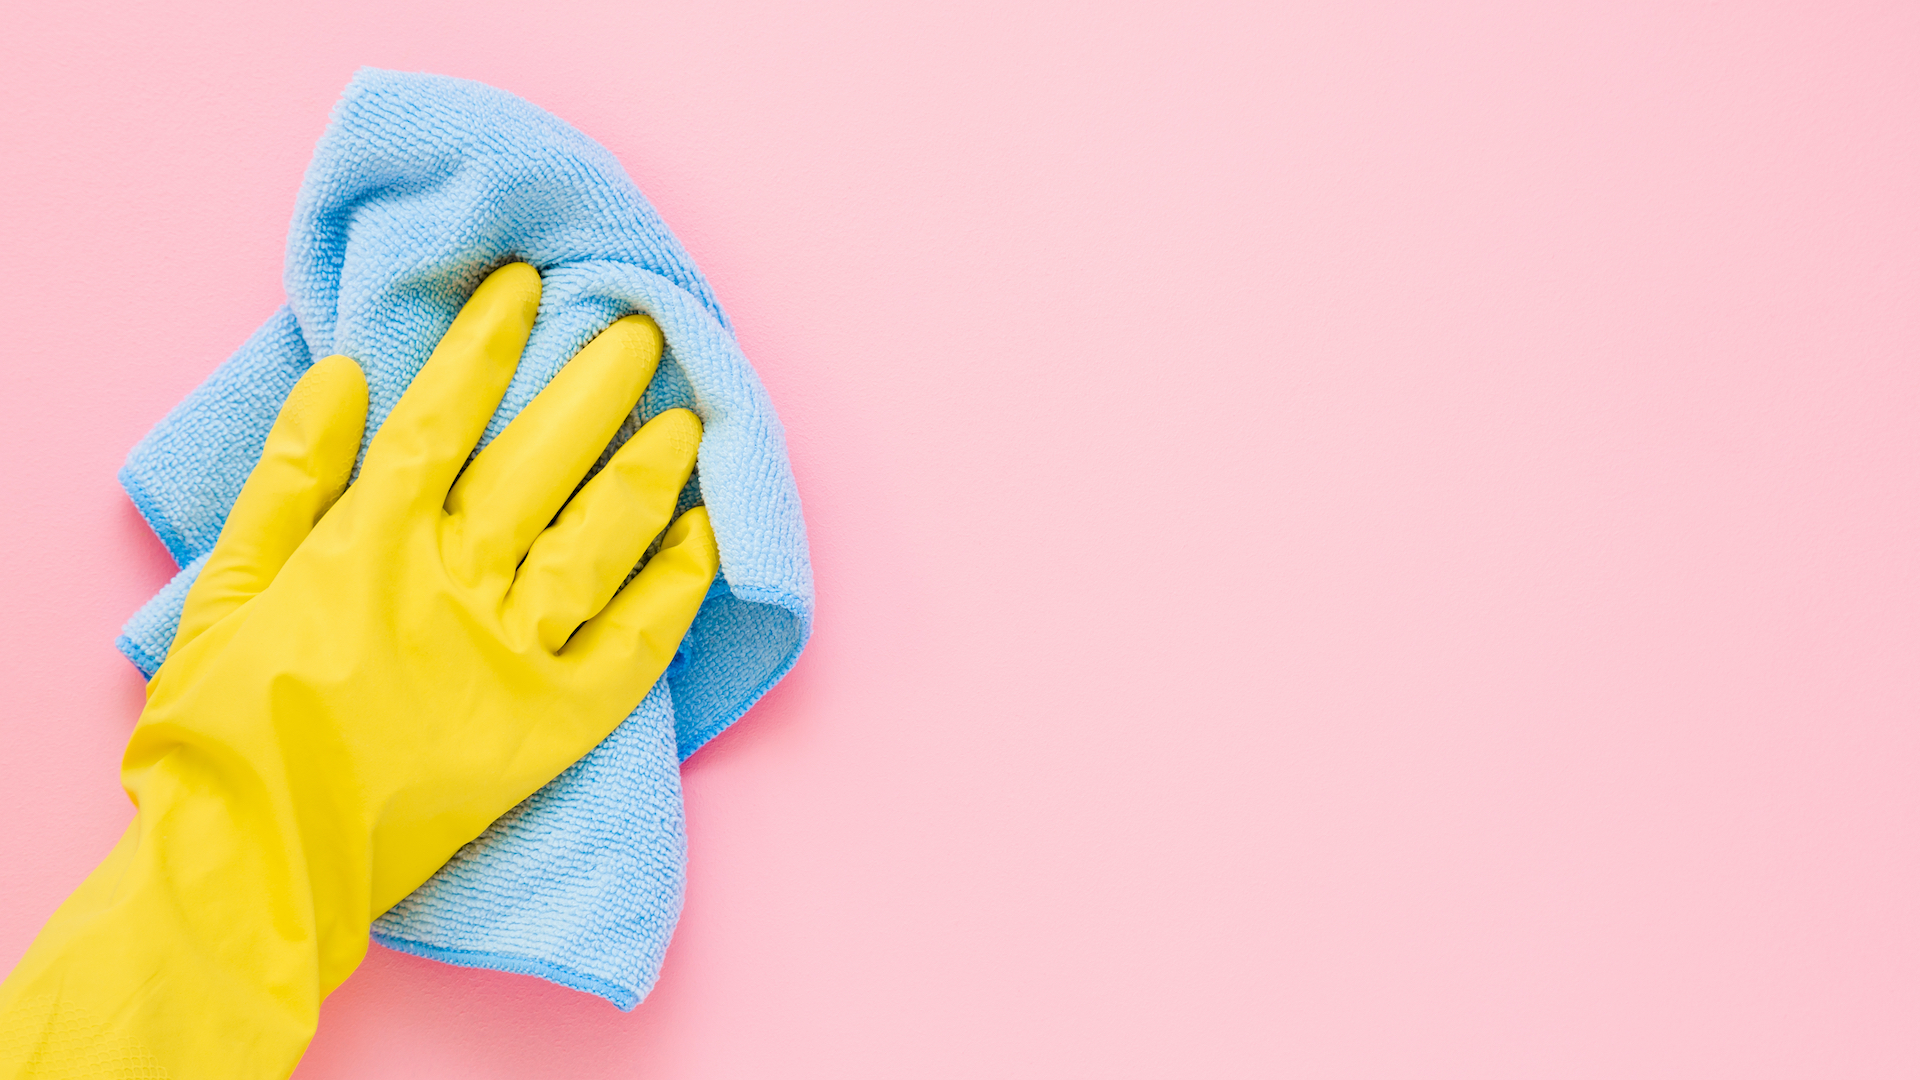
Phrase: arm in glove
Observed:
(364, 678)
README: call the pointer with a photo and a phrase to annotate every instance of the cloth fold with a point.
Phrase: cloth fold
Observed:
(421, 186)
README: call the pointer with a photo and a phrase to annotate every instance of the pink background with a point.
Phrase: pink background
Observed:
(1365, 541)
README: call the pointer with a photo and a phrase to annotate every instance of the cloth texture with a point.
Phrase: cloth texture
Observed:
(419, 188)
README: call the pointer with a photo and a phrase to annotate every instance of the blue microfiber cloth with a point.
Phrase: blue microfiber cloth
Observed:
(420, 187)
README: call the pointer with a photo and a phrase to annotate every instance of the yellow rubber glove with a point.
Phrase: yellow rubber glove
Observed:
(360, 686)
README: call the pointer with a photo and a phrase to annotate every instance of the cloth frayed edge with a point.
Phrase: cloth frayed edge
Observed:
(150, 511)
(133, 652)
(621, 997)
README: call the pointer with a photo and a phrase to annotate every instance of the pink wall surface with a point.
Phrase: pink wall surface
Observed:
(1361, 540)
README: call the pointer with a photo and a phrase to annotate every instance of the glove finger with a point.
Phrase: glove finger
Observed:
(420, 448)
(576, 566)
(515, 486)
(628, 645)
(302, 470)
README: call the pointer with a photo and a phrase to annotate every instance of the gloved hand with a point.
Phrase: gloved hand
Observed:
(361, 686)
